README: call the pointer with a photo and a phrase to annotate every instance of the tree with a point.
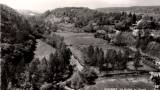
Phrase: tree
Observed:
(60, 67)
(121, 59)
(111, 57)
(100, 57)
(122, 26)
(34, 66)
(89, 74)
(134, 18)
(137, 60)
(34, 72)
(130, 15)
(90, 51)
(44, 65)
(90, 55)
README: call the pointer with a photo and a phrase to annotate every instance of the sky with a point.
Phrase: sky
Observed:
(43, 5)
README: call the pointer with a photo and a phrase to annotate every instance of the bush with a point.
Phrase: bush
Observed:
(89, 74)
(124, 39)
(122, 26)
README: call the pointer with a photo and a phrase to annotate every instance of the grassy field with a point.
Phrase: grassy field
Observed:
(77, 41)
(43, 50)
(119, 83)
(80, 40)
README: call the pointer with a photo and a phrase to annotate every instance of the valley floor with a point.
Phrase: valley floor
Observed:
(122, 83)
(74, 41)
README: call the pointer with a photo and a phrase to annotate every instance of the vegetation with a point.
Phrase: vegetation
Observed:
(136, 9)
(112, 59)
(21, 70)
(80, 79)
(17, 48)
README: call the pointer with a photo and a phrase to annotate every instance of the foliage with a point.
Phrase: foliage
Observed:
(122, 26)
(18, 45)
(111, 59)
(60, 67)
(136, 9)
(89, 74)
(54, 40)
(117, 59)
(79, 79)
(124, 39)
(153, 48)
(90, 20)
(93, 56)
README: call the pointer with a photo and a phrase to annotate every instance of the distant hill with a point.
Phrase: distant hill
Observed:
(13, 25)
(28, 12)
(76, 16)
(136, 9)
(72, 13)
(16, 34)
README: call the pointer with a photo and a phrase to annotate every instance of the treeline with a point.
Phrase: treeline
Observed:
(136, 9)
(17, 46)
(91, 20)
(47, 73)
(88, 20)
(51, 72)
(111, 60)
(40, 27)
(55, 41)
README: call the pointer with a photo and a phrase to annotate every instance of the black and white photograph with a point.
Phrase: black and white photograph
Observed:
(80, 44)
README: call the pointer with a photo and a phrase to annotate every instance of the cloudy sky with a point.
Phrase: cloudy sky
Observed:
(42, 5)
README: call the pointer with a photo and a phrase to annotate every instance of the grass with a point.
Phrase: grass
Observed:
(79, 40)
(85, 39)
(131, 83)
(43, 50)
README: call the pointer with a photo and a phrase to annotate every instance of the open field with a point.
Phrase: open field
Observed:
(77, 41)
(43, 50)
(80, 40)
(118, 83)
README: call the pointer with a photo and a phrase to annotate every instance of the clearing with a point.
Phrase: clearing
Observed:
(43, 50)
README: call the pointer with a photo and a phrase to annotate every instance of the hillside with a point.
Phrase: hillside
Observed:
(136, 9)
(17, 45)
(15, 28)
(28, 12)
(78, 16)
